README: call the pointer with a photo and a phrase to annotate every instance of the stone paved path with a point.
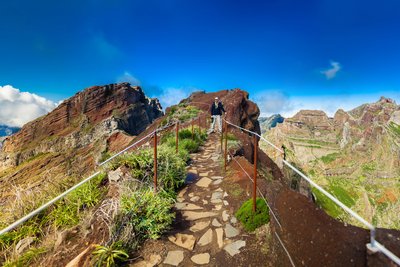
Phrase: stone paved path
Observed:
(210, 229)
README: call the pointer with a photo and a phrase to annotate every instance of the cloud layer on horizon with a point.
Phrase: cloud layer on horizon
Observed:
(171, 96)
(277, 102)
(18, 108)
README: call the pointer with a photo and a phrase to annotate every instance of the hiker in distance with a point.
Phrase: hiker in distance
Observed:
(216, 112)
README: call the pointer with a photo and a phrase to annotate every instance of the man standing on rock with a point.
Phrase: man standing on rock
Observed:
(216, 112)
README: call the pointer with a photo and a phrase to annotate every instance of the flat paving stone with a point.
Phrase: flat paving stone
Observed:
(220, 237)
(226, 203)
(193, 215)
(217, 207)
(216, 177)
(182, 192)
(231, 231)
(203, 258)
(187, 206)
(225, 216)
(206, 238)
(234, 248)
(174, 257)
(203, 174)
(233, 220)
(216, 223)
(204, 182)
(216, 195)
(191, 194)
(183, 240)
(153, 261)
(217, 182)
(198, 226)
(195, 199)
(205, 202)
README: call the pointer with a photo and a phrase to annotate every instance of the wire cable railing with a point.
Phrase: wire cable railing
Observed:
(266, 202)
(373, 245)
(62, 195)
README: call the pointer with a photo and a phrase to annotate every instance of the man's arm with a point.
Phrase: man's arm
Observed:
(222, 107)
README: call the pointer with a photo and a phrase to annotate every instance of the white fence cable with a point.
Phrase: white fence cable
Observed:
(287, 252)
(374, 243)
(387, 252)
(36, 211)
(126, 149)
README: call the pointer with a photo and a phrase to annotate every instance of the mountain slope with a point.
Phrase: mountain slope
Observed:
(355, 155)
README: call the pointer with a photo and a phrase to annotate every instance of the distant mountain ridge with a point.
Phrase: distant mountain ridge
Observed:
(7, 130)
(266, 123)
(356, 152)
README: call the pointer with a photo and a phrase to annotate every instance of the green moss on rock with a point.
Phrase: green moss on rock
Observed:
(252, 220)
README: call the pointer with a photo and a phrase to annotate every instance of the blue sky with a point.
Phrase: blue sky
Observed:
(287, 54)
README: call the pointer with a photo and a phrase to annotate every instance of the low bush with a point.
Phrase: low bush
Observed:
(252, 220)
(68, 211)
(148, 213)
(27, 258)
(109, 256)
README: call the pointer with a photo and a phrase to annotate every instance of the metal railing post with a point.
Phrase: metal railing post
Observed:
(155, 161)
(226, 145)
(192, 129)
(177, 137)
(255, 173)
(199, 125)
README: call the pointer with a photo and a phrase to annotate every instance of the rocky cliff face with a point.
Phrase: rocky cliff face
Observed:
(355, 154)
(91, 115)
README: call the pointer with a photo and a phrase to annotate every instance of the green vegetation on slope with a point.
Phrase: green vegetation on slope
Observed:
(395, 128)
(337, 190)
(252, 220)
(330, 158)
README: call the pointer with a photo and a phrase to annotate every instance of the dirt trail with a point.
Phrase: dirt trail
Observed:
(205, 231)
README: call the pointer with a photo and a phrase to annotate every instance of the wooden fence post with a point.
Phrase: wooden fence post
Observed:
(255, 173)
(226, 145)
(177, 137)
(192, 129)
(155, 161)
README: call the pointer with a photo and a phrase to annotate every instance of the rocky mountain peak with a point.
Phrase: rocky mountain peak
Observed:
(91, 115)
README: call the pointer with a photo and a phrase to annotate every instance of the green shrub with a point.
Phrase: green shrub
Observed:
(67, 212)
(171, 168)
(190, 145)
(252, 220)
(148, 213)
(109, 256)
(31, 228)
(329, 158)
(27, 258)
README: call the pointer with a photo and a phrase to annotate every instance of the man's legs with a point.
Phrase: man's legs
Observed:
(219, 122)
(212, 125)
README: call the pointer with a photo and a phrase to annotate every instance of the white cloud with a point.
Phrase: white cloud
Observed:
(127, 77)
(18, 108)
(273, 102)
(172, 96)
(331, 73)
